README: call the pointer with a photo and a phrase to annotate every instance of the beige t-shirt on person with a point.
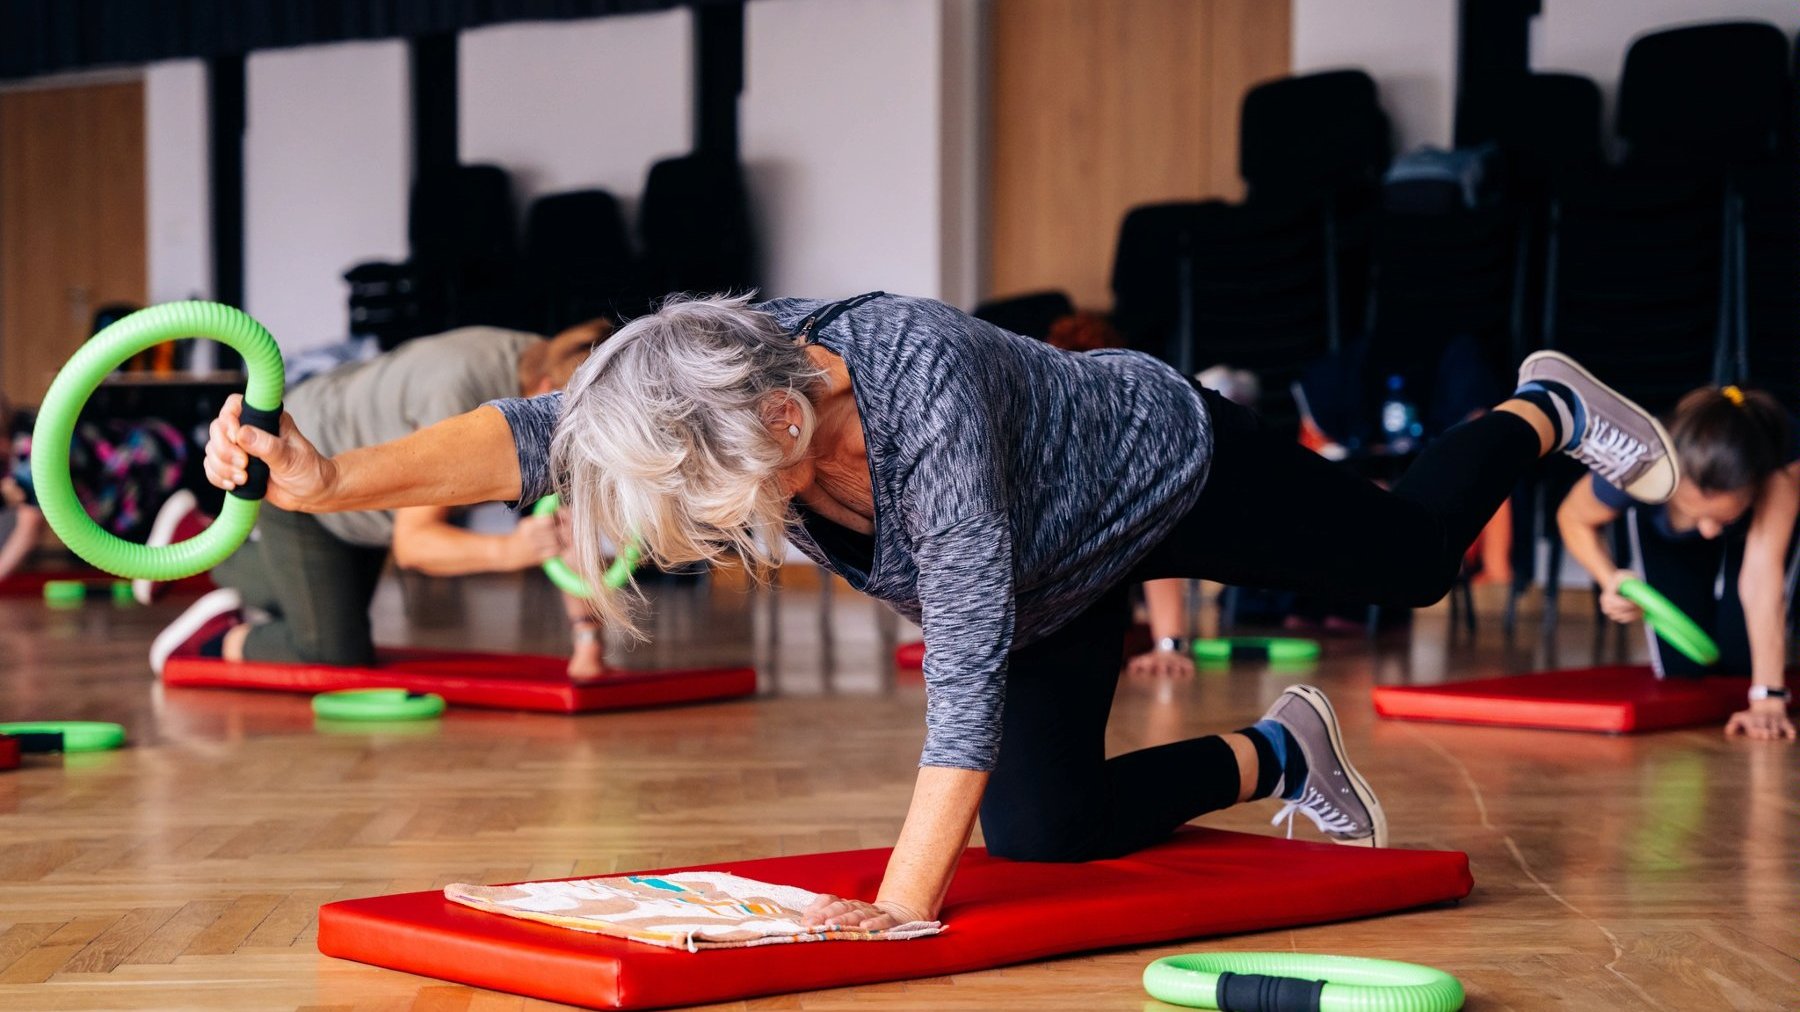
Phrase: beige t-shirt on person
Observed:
(420, 383)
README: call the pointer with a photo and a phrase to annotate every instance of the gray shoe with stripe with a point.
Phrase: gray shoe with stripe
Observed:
(1335, 797)
(1621, 442)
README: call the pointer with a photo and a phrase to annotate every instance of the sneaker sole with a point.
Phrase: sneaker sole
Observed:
(1661, 433)
(1364, 793)
(188, 623)
(162, 532)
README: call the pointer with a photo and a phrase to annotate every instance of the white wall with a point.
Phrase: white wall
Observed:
(841, 122)
(578, 104)
(327, 163)
(1589, 37)
(1407, 46)
(179, 239)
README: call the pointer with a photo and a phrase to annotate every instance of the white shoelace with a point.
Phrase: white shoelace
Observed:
(1610, 451)
(1317, 806)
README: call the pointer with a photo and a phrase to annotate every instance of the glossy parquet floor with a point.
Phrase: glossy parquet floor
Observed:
(1654, 872)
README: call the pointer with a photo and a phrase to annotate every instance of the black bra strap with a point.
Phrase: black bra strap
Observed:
(817, 321)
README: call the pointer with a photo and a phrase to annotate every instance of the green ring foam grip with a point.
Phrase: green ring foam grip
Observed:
(1283, 981)
(1278, 649)
(1670, 623)
(570, 582)
(75, 735)
(377, 705)
(78, 380)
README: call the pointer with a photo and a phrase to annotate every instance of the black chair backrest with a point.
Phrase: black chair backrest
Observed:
(578, 260)
(1710, 94)
(464, 215)
(1029, 315)
(1548, 129)
(1323, 130)
(695, 223)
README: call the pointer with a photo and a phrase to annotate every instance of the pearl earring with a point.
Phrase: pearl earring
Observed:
(794, 431)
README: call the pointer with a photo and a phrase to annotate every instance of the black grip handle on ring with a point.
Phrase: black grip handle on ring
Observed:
(256, 473)
(1260, 992)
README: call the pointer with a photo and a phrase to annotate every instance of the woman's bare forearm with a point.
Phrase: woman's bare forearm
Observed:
(944, 805)
(459, 461)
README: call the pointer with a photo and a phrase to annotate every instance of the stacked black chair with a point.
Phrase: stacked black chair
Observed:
(578, 261)
(1771, 260)
(1029, 315)
(694, 220)
(1275, 282)
(463, 232)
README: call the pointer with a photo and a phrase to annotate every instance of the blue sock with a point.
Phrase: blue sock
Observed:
(1560, 405)
(1289, 773)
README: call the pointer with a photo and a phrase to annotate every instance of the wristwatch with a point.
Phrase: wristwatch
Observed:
(1174, 644)
(1762, 692)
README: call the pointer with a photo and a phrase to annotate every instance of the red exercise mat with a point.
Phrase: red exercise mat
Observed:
(1200, 883)
(31, 583)
(911, 656)
(9, 752)
(1616, 700)
(500, 681)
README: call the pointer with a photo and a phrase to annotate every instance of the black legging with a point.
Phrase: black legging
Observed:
(1272, 514)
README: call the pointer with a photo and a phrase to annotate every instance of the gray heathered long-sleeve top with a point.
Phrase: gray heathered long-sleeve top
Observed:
(1014, 483)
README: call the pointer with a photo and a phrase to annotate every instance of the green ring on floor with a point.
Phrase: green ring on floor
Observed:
(377, 704)
(77, 735)
(1352, 984)
(1670, 623)
(83, 374)
(1279, 649)
(570, 582)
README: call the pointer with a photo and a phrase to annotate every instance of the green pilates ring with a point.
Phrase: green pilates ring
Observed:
(1279, 649)
(377, 704)
(1669, 622)
(1291, 981)
(76, 735)
(570, 582)
(82, 376)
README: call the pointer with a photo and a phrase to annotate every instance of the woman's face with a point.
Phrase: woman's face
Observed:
(1708, 512)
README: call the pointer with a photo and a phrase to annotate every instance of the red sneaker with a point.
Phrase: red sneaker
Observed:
(178, 520)
(205, 619)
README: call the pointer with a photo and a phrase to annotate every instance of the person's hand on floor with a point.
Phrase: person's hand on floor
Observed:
(300, 477)
(1764, 720)
(1615, 606)
(1161, 664)
(855, 915)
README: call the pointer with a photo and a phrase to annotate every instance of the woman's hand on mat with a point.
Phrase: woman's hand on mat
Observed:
(1161, 664)
(1613, 605)
(855, 915)
(1765, 720)
(300, 477)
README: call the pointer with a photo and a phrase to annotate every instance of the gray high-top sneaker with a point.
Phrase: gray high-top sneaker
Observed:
(1616, 439)
(1335, 797)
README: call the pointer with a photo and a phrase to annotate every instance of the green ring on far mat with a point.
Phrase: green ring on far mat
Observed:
(1670, 623)
(377, 704)
(1279, 649)
(64, 591)
(77, 735)
(570, 582)
(1351, 983)
(83, 374)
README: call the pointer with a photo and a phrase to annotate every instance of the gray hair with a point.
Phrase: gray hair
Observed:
(664, 440)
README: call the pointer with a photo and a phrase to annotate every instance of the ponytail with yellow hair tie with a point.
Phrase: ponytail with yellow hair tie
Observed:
(1734, 395)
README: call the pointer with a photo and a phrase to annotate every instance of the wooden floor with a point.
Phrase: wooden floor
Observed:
(185, 871)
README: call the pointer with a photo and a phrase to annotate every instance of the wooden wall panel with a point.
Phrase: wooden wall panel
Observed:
(1099, 105)
(72, 230)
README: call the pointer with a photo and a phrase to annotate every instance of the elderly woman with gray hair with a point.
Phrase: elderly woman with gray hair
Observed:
(1004, 494)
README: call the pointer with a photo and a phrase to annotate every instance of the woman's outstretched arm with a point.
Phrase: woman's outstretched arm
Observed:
(466, 459)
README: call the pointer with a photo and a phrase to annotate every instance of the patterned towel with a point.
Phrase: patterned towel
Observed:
(690, 910)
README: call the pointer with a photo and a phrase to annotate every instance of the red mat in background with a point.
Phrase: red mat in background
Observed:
(9, 753)
(31, 583)
(1200, 883)
(1616, 700)
(911, 656)
(500, 681)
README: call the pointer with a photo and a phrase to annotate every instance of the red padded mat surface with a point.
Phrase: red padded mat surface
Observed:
(1616, 700)
(31, 583)
(9, 753)
(500, 681)
(1200, 883)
